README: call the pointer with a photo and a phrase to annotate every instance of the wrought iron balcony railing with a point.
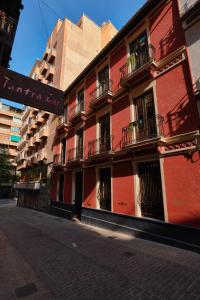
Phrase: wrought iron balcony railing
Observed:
(102, 89)
(7, 27)
(101, 145)
(76, 109)
(138, 59)
(142, 130)
(57, 159)
(75, 154)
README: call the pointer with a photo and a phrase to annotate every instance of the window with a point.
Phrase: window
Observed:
(105, 138)
(80, 100)
(17, 120)
(103, 78)
(145, 124)
(139, 52)
(79, 143)
(15, 129)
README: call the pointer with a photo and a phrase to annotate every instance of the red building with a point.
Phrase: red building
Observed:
(129, 141)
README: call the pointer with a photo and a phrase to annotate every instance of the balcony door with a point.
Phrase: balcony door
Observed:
(80, 101)
(105, 140)
(139, 53)
(145, 125)
(79, 148)
(103, 77)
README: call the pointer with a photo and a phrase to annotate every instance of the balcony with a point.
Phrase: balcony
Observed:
(77, 113)
(26, 113)
(12, 152)
(27, 185)
(46, 53)
(101, 95)
(42, 155)
(24, 128)
(36, 139)
(44, 67)
(143, 132)
(139, 67)
(57, 160)
(21, 145)
(101, 147)
(51, 55)
(43, 134)
(33, 159)
(34, 111)
(50, 72)
(33, 125)
(44, 114)
(7, 28)
(39, 120)
(20, 157)
(75, 155)
(30, 143)
(63, 126)
(21, 165)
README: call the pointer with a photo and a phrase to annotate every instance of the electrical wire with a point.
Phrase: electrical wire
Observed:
(49, 7)
(43, 19)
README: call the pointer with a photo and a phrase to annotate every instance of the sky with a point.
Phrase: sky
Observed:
(38, 18)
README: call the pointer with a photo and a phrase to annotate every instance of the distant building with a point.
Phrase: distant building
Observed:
(9, 16)
(69, 49)
(10, 125)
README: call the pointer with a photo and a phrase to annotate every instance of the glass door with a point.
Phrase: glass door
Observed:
(145, 124)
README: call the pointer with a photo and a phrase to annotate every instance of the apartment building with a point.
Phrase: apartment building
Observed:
(129, 143)
(190, 16)
(10, 124)
(69, 49)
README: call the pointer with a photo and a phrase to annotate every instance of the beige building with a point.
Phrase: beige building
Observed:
(10, 124)
(69, 49)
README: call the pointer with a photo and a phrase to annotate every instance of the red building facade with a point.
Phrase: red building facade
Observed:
(129, 141)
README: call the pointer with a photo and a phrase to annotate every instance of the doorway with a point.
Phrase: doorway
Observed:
(104, 191)
(61, 188)
(150, 197)
(78, 193)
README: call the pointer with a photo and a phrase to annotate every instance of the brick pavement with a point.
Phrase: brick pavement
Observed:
(52, 258)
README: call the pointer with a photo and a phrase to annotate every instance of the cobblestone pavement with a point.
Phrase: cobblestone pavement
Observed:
(45, 257)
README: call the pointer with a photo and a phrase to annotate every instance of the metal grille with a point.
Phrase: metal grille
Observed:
(150, 196)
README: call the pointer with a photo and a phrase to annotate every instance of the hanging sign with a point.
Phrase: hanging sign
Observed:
(30, 92)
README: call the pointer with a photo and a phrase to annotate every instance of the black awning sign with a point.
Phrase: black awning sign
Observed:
(27, 91)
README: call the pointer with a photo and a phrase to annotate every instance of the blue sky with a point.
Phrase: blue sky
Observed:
(32, 34)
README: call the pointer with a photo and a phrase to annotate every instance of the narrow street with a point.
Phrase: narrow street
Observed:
(45, 257)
